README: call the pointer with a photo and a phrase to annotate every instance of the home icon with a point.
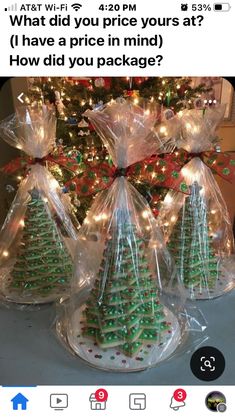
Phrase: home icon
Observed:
(95, 404)
(19, 402)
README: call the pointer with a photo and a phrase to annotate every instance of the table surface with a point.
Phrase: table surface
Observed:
(31, 353)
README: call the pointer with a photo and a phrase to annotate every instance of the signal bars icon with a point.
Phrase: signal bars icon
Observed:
(12, 8)
(76, 6)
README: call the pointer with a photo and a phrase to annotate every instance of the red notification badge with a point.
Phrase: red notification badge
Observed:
(101, 395)
(179, 395)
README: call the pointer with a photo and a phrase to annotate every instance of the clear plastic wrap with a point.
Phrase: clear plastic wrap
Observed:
(197, 227)
(37, 239)
(126, 312)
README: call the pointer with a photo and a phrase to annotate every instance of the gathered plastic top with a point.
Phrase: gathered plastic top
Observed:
(191, 129)
(197, 128)
(31, 130)
(126, 130)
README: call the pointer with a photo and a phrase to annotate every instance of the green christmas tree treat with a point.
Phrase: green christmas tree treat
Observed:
(123, 310)
(43, 264)
(191, 244)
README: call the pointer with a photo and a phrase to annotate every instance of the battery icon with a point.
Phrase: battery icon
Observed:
(222, 7)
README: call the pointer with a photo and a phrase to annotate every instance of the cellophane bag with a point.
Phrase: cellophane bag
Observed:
(197, 225)
(37, 239)
(120, 316)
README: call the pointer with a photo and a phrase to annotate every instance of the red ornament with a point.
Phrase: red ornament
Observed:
(155, 212)
(182, 89)
(91, 127)
(139, 80)
(84, 81)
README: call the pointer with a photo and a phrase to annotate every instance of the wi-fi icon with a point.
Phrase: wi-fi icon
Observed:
(76, 6)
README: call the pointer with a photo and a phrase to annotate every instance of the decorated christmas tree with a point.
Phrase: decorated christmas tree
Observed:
(43, 264)
(191, 244)
(123, 310)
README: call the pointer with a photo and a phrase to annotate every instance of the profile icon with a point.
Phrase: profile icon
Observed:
(216, 402)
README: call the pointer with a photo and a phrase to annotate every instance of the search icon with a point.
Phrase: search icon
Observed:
(207, 363)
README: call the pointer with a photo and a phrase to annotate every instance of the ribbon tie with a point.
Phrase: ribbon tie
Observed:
(154, 171)
(25, 162)
(221, 163)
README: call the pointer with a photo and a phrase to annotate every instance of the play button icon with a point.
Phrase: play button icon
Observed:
(59, 401)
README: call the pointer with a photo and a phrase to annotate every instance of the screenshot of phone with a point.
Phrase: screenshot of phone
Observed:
(117, 175)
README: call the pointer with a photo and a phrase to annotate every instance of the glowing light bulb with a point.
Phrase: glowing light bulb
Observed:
(145, 214)
(54, 183)
(186, 172)
(5, 253)
(213, 211)
(163, 129)
(97, 218)
(173, 218)
(168, 199)
(21, 223)
(19, 177)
